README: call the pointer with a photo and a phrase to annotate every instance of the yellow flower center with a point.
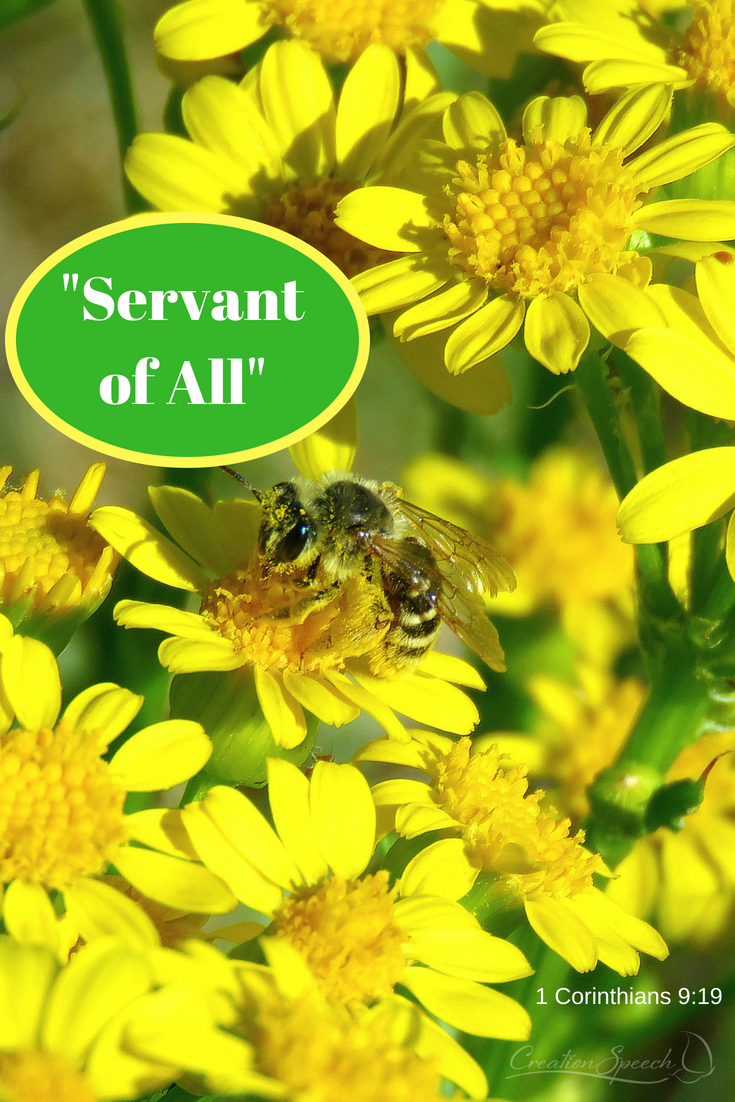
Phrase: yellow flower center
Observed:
(41, 543)
(559, 533)
(279, 621)
(542, 217)
(347, 932)
(331, 1057)
(708, 50)
(307, 211)
(61, 808)
(505, 828)
(41, 1077)
(342, 29)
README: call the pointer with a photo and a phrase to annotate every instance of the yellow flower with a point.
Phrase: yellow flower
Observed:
(359, 937)
(497, 233)
(557, 530)
(324, 659)
(686, 880)
(278, 148)
(624, 45)
(54, 569)
(286, 1040)
(488, 39)
(64, 1030)
(501, 829)
(62, 819)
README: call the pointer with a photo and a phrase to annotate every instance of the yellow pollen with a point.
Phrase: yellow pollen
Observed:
(41, 1077)
(61, 808)
(43, 543)
(341, 29)
(504, 826)
(542, 217)
(348, 934)
(708, 50)
(279, 621)
(331, 1057)
(307, 211)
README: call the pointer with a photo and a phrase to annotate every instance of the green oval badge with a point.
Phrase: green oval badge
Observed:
(187, 340)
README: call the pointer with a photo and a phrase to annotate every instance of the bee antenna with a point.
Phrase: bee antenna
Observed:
(233, 474)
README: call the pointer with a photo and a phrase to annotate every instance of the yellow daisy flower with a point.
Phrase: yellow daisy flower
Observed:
(54, 569)
(285, 1039)
(487, 35)
(498, 234)
(557, 529)
(686, 880)
(277, 148)
(327, 660)
(624, 43)
(360, 937)
(61, 806)
(500, 829)
(64, 1030)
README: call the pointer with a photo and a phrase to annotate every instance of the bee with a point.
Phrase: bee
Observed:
(429, 570)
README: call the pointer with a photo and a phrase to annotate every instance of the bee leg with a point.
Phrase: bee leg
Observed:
(297, 612)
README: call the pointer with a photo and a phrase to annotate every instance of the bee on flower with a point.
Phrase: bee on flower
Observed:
(537, 235)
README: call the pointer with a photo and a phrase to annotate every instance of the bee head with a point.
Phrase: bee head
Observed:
(287, 532)
(348, 513)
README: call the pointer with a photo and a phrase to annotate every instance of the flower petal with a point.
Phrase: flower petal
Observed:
(161, 828)
(191, 524)
(29, 915)
(472, 122)
(367, 107)
(139, 614)
(298, 104)
(468, 1006)
(426, 700)
(669, 357)
(104, 709)
(236, 523)
(683, 494)
(448, 667)
(248, 831)
(97, 909)
(27, 973)
(690, 219)
(371, 704)
(288, 793)
(183, 885)
(556, 332)
(716, 290)
(176, 175)
(602, 76)
(30, 677)
(616, 307)
(321, 699)
(221, 117)
(162, 755)
(388, 750)
(226, 860)
(562, 930)
(283, 713)
(344, 817)
(147, 550)
(198, 655)
(595, 905)
(330, 448)
(557, 117)
(483, 334)
(440, 311)
(633, 118)
(203, 29)
(414, 819)
(399, 283)
(680, 154)
(386, 217)
(441, 869)
(97, 982)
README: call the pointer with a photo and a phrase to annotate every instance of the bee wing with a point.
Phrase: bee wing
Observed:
(465, 614)
(467, 562)
(409, 558)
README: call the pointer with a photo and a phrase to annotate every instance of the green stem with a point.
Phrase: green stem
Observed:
(107, 28)
(645, 402)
